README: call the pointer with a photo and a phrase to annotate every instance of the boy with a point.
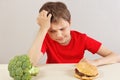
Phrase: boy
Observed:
(61, 44)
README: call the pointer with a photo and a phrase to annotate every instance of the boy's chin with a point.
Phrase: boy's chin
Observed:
(63, 43)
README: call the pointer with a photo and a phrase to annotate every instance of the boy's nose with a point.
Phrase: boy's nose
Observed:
(58, 34)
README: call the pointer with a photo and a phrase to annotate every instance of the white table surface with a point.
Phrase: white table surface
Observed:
(66, 72)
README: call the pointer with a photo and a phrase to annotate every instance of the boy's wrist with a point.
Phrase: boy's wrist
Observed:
(44, 29)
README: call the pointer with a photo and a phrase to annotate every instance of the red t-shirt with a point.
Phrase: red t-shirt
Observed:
(71, 53)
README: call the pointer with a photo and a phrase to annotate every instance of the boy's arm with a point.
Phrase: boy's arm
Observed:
(108, 57)
(35, 51)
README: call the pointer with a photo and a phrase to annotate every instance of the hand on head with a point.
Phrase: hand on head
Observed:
(43, 19)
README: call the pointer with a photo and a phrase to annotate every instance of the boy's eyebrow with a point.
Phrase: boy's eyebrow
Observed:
(59, 28)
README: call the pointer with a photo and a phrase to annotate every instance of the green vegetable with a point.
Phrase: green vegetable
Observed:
(20, 68)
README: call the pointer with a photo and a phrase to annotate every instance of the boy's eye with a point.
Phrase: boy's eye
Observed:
(52, 31)
(62, 29)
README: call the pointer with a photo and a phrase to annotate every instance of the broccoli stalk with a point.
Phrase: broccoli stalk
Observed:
(20, 68)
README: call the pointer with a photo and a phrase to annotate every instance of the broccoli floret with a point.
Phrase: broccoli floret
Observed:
(20, 68)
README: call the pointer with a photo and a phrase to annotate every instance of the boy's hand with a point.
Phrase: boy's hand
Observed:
(92, 62)
(43, 20)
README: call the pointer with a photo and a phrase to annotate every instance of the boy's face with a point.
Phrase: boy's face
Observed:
(60, 32)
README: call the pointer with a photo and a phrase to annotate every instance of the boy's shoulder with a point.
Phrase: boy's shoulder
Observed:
(74, 32)
(78, 35)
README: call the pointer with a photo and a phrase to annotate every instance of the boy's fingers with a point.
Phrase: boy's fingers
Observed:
(43, 13)
(84, 59)
(49, 15)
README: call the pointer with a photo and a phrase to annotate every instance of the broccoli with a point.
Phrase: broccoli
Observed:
(20, 68)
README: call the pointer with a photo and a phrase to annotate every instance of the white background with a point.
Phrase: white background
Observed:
(99, 19)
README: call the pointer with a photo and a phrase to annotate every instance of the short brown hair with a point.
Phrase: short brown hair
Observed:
(58, 10)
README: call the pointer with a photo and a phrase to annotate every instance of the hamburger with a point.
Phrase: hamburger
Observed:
(85, 71)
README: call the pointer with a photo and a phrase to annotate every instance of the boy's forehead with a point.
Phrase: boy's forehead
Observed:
(55, 27)
(60, 21)
(61, 24)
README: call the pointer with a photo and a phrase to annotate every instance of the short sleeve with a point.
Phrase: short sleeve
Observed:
(92, 45)
(44, 46)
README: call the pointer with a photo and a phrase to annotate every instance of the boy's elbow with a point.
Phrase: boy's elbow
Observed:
(35, 57)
